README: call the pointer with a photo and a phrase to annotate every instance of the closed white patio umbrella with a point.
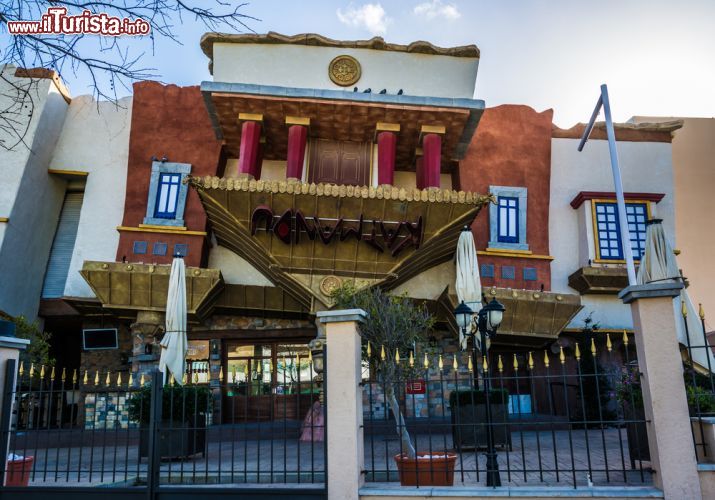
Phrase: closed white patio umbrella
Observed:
(469, 288)
(659, 264)
(174, 344)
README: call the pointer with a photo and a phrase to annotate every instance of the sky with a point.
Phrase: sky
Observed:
(657, 57)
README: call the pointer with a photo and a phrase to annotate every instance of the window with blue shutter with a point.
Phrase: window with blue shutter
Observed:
(167, 196)
(608, 229)
(508, 221)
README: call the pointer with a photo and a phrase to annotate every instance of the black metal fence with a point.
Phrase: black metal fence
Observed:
(570, 415)
(698, 367)
(95, 429)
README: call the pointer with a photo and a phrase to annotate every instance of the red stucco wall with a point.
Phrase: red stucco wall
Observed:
(169, 121)
(512, 147)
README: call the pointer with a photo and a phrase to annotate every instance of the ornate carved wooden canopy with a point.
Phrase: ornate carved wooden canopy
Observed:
(307, 238)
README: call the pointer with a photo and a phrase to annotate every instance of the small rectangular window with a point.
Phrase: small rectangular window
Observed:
(508, 220)
(140, 247)
(487, 270)
(167, 196)
(529, 274)
(159, 248)
(181, 249)
(508, 272)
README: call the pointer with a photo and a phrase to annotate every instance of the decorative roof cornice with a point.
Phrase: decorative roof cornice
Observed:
(628, 132)
(380, 193)
(316, 40)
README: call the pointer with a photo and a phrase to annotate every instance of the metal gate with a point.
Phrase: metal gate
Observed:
(74, 435)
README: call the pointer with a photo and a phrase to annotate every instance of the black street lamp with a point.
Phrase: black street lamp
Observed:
(486, 323)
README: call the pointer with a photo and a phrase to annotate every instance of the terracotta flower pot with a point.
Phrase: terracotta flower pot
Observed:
(428, 469)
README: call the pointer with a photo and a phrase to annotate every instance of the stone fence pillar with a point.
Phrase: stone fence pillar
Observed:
(10, 347)
(666, 406)
(345, 460)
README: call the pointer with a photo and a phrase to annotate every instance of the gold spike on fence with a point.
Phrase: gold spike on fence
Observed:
(85, 380)
(183, 379)
(701, 312)
(382, 353)
(593, 348)
(531, 361)
(196, 378)
(683, 309)
(515, 363)
(32, 370)
(485, 365)
(455, 365)
(369, 349)
(546, 358)
(220, 376)
(259, 367)
(74, 376)
(130, 382)
(119, 379)
(440, 364)
(63, 377)
(96, 377)
(107, 381)
(52, 374)
(562, 356)
(397, 356)
(22, 369)
(171, 379)
(42, 371)
(577, 352)
(625, 338)
(141, 380)
(500, 365)
(609, 346)
(470, 366)
(412, 360)
(310, 357)
(425, 363)
(233, 375)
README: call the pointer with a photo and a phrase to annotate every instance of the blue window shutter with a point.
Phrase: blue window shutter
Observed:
(508, 272)
(58, 264)
(140, 247)
(159, 248)
(181, 249)
(167, 196)
(508, 219)
(529, 274)
(487, 270)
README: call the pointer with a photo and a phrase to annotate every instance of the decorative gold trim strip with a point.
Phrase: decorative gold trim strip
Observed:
(251, 117)
(4, 219)
(155, 226)
(433, 129)
(165, 230)
(342, 191)
(515, 255)
(76, 173)
(298, 120)
(506, 250)
(387, 127)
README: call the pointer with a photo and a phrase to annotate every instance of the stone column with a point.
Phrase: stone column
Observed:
(297, 140)
(145, 332)
(344, 402)
(250, 144)
(10, 347)
(666, 406)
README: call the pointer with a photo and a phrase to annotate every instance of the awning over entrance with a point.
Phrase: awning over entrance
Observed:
(309, 238)
(340, 116)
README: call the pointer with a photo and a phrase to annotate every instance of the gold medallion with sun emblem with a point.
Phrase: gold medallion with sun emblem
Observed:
(344, 70)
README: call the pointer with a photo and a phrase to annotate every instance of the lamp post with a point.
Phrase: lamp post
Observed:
(486, 323)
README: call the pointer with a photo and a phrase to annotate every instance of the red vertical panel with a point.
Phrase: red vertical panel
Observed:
(432, 149)
(250, 142)
(386, 144)
(297, 137)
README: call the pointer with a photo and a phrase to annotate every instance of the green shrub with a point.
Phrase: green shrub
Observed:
(179, 403)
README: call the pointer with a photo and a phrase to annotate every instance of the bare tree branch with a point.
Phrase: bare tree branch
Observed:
(108, 61)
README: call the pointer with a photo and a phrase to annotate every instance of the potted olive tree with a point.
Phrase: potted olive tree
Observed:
(395, 324)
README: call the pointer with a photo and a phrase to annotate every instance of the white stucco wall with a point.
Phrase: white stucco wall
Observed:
(646, 167)
(95, 139)
(31, 199)
(235, 269)
(307, 67)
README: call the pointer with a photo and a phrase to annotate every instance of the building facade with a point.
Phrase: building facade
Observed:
(304, 164)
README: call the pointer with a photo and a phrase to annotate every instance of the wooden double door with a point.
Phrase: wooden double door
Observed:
(340, 162)
(267, 381)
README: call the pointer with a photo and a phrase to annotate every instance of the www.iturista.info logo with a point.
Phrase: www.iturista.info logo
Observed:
(56, 21)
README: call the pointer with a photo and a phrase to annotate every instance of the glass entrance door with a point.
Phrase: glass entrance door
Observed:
(268, 381)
